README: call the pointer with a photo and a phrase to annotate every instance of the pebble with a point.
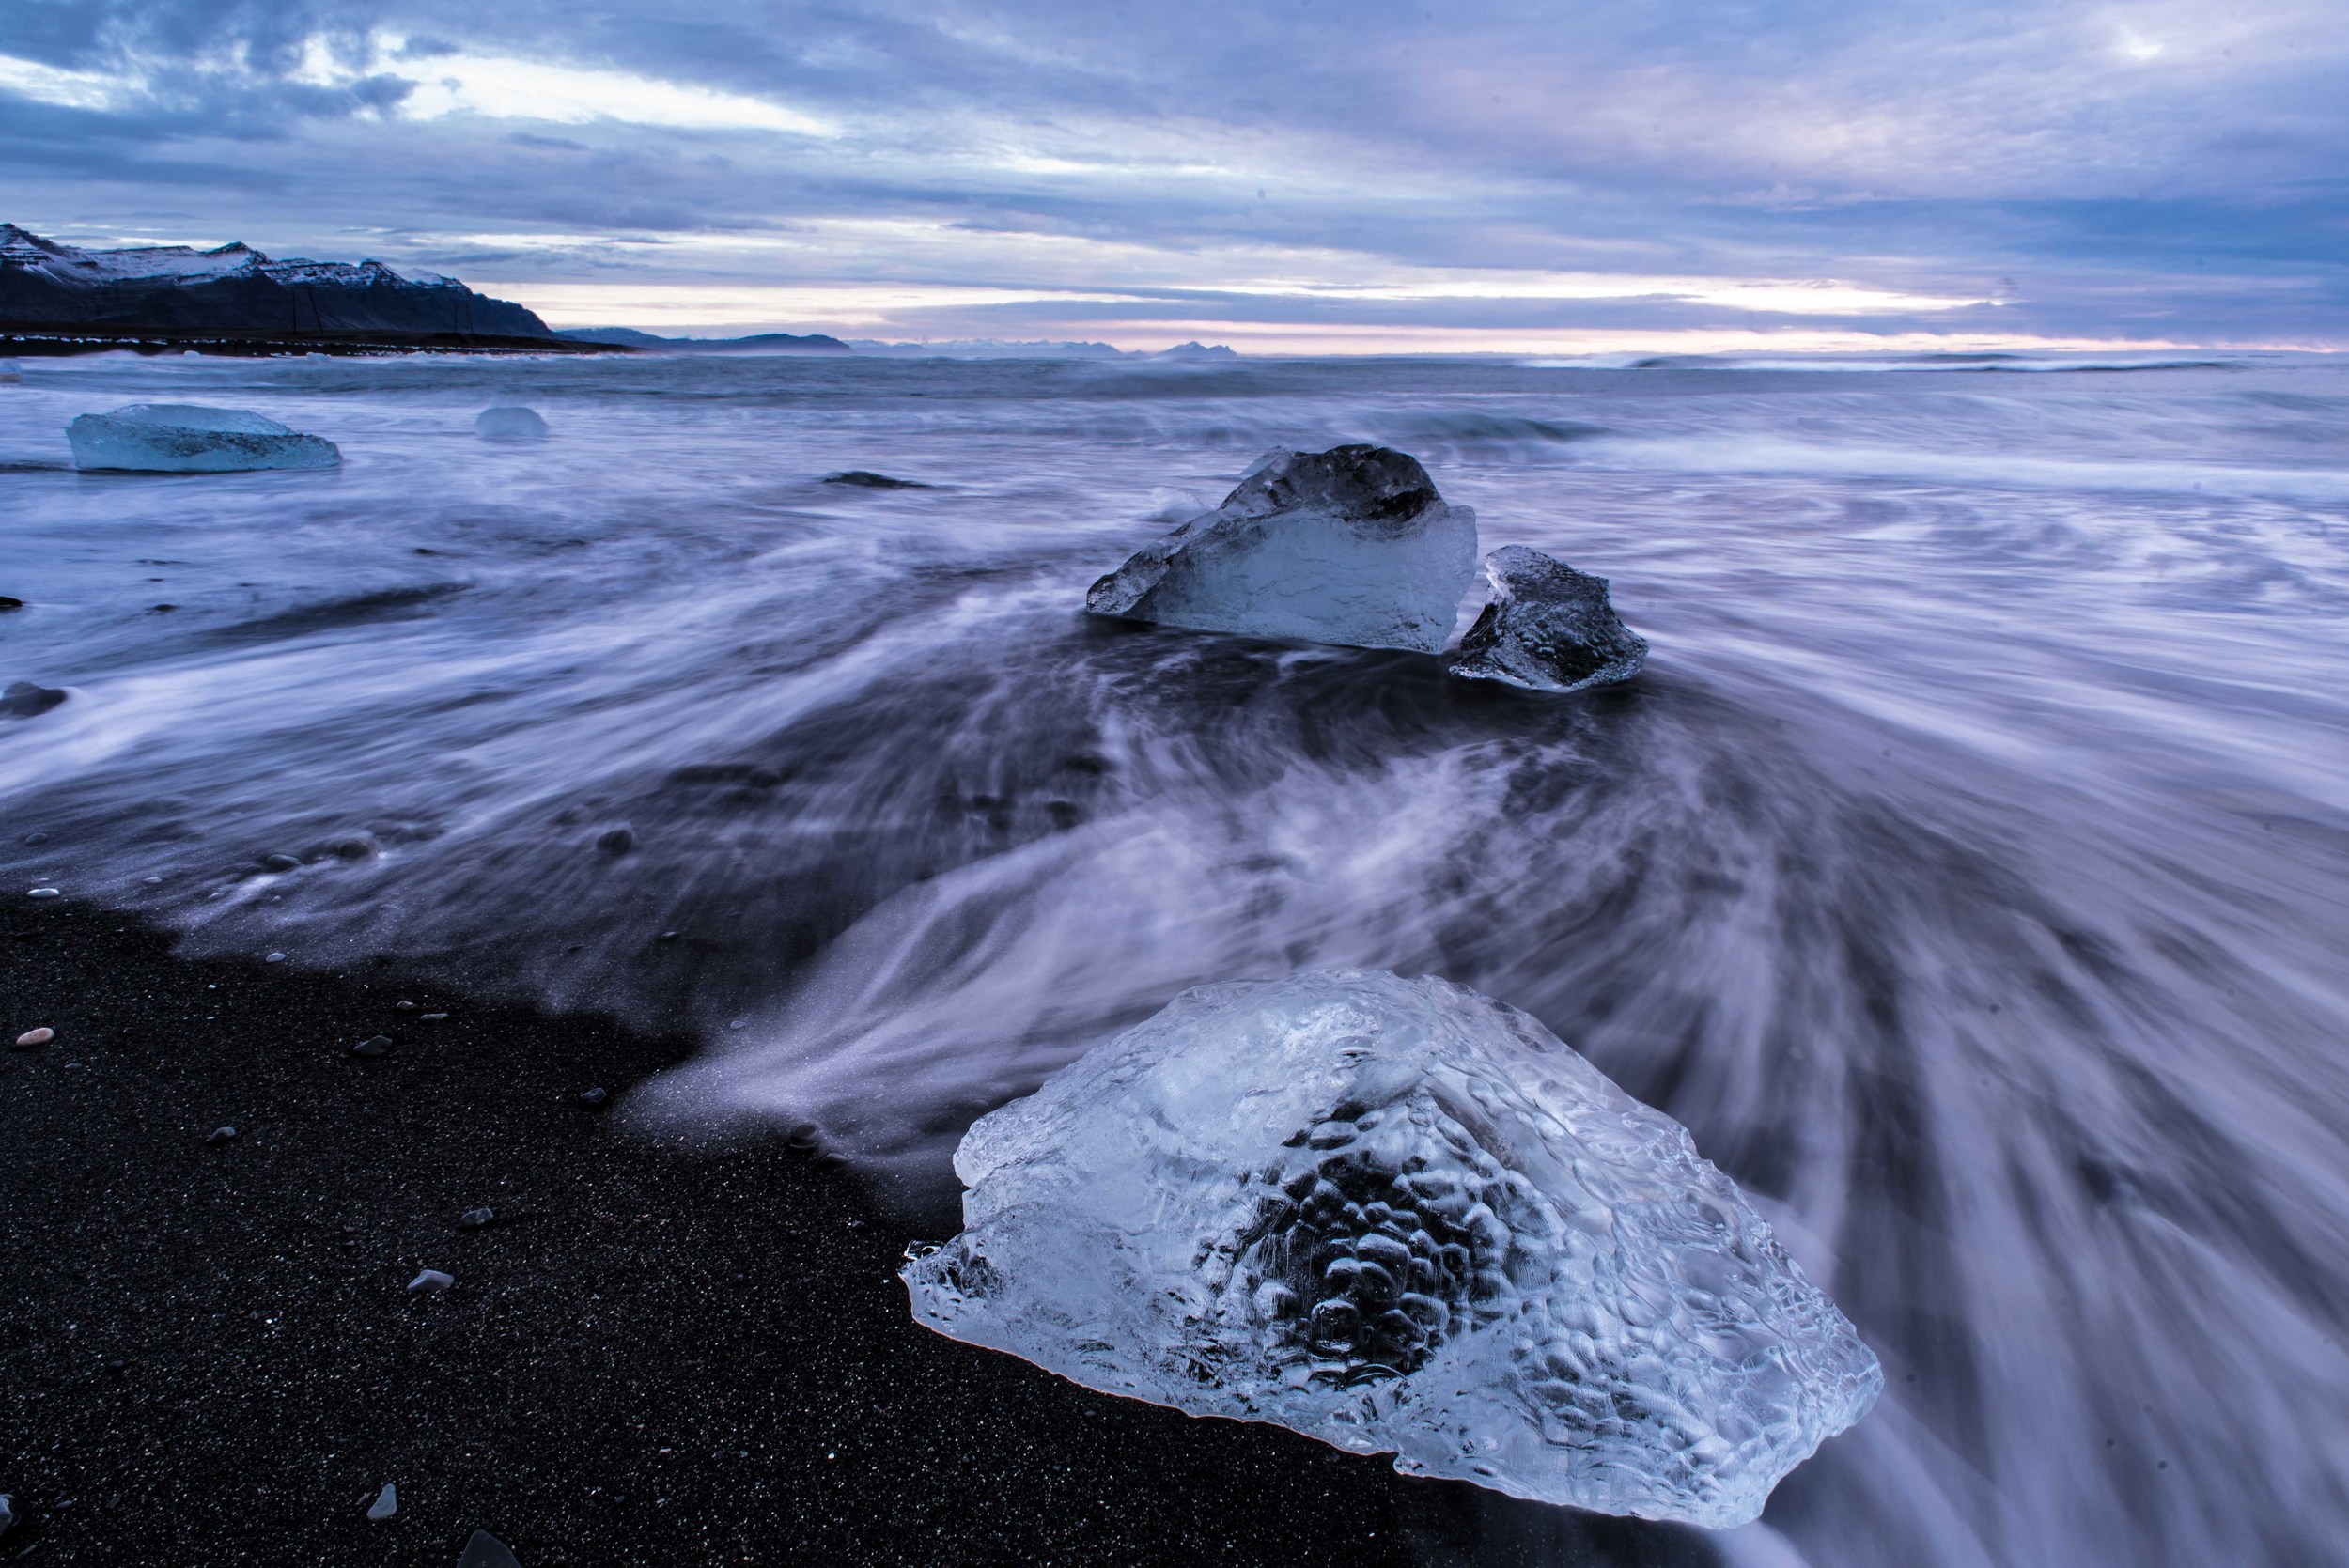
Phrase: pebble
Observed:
(594, 1097)
(432, 1017)
(374, 1044)
(403, 1006)
(431, 1282)
(153, 882)
(37, 838)
(222, 1135)
(32, 1037)
(619, 841)
(386, 1502)
(41, 893)
(483, 1550)
(473, 1220)
(274, 958)
(281, 863)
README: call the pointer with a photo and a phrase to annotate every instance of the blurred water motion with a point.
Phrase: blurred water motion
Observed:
(1970, 871)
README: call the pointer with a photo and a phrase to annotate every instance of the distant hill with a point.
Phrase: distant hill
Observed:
(760, 343)
(235, 295)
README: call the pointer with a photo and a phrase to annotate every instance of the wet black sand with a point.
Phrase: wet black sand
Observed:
(656, 1354)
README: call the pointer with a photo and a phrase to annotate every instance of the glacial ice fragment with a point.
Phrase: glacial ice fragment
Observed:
(1547, 627)
(509, 422)
(1353, 545)
(189, 438)
(1396, 1214)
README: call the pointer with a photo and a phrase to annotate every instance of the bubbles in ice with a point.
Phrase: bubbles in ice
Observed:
(190, 438)
(509, 422)
(1353, 545)
(1547, 627)
(1398, 1216)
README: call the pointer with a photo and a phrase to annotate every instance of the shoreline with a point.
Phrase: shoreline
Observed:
(659, 1352)
(39, 341)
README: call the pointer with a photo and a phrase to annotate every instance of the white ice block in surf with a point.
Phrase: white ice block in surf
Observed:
(509, 422)
(1352, 546)
(1400, 1216)
(190, 438)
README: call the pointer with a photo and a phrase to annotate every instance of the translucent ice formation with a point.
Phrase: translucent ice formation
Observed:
(509, 422)
(1353, 545)
(1547, 627)
(1399, 1215)
(189, 438)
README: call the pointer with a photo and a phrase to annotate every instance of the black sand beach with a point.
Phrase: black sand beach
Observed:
(654, 1355)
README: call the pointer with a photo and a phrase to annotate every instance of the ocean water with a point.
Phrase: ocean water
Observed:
(1968, 871)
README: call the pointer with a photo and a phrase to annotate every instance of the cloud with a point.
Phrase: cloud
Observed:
(2173, 168)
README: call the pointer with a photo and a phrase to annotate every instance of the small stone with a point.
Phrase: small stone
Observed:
(618, 841)
(9, 602)
(152, 881)
(387, 1500)
(222, 1135)
(274, 958)
(473, 1220)
(32, 1037)
(483, 1550)
(431, 1282)
(23, 700)
(594, 1097)
(353, 848)
(374, 1044)
(667, 936)
(41, 893)
(281, 863)
(37, 838)
(431, 1017)
(404, 1006)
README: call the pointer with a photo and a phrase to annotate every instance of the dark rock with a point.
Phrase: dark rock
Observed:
(473, 1220)
(354, 849)
(1549, 627)
(594, 1098)
(483, 1550)
(281, 863)
(618, 841)
(221, 1134)
(9, 602)
(866, 479)
(374, 1044)
(23, 700)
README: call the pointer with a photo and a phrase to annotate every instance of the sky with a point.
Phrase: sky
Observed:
(1296, 176)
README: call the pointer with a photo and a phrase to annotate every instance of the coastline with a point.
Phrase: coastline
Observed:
(38, 341)
(657, 1352)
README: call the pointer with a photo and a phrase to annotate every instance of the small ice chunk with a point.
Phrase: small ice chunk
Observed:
(431, 1282)
(189, 438)
(1398, 1216)
(1547, 627)
(483, 1550)
(509, 422)
(386, 1504)
(1353, 545)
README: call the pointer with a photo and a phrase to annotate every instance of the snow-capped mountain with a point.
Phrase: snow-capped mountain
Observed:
(236, 289)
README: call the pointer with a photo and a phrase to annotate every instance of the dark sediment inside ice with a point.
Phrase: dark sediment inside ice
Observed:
(654, 1353)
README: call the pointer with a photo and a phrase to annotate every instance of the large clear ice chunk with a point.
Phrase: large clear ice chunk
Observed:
(1352, 546)
(190, 438)
(1396, 1214)
(1547, 628)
